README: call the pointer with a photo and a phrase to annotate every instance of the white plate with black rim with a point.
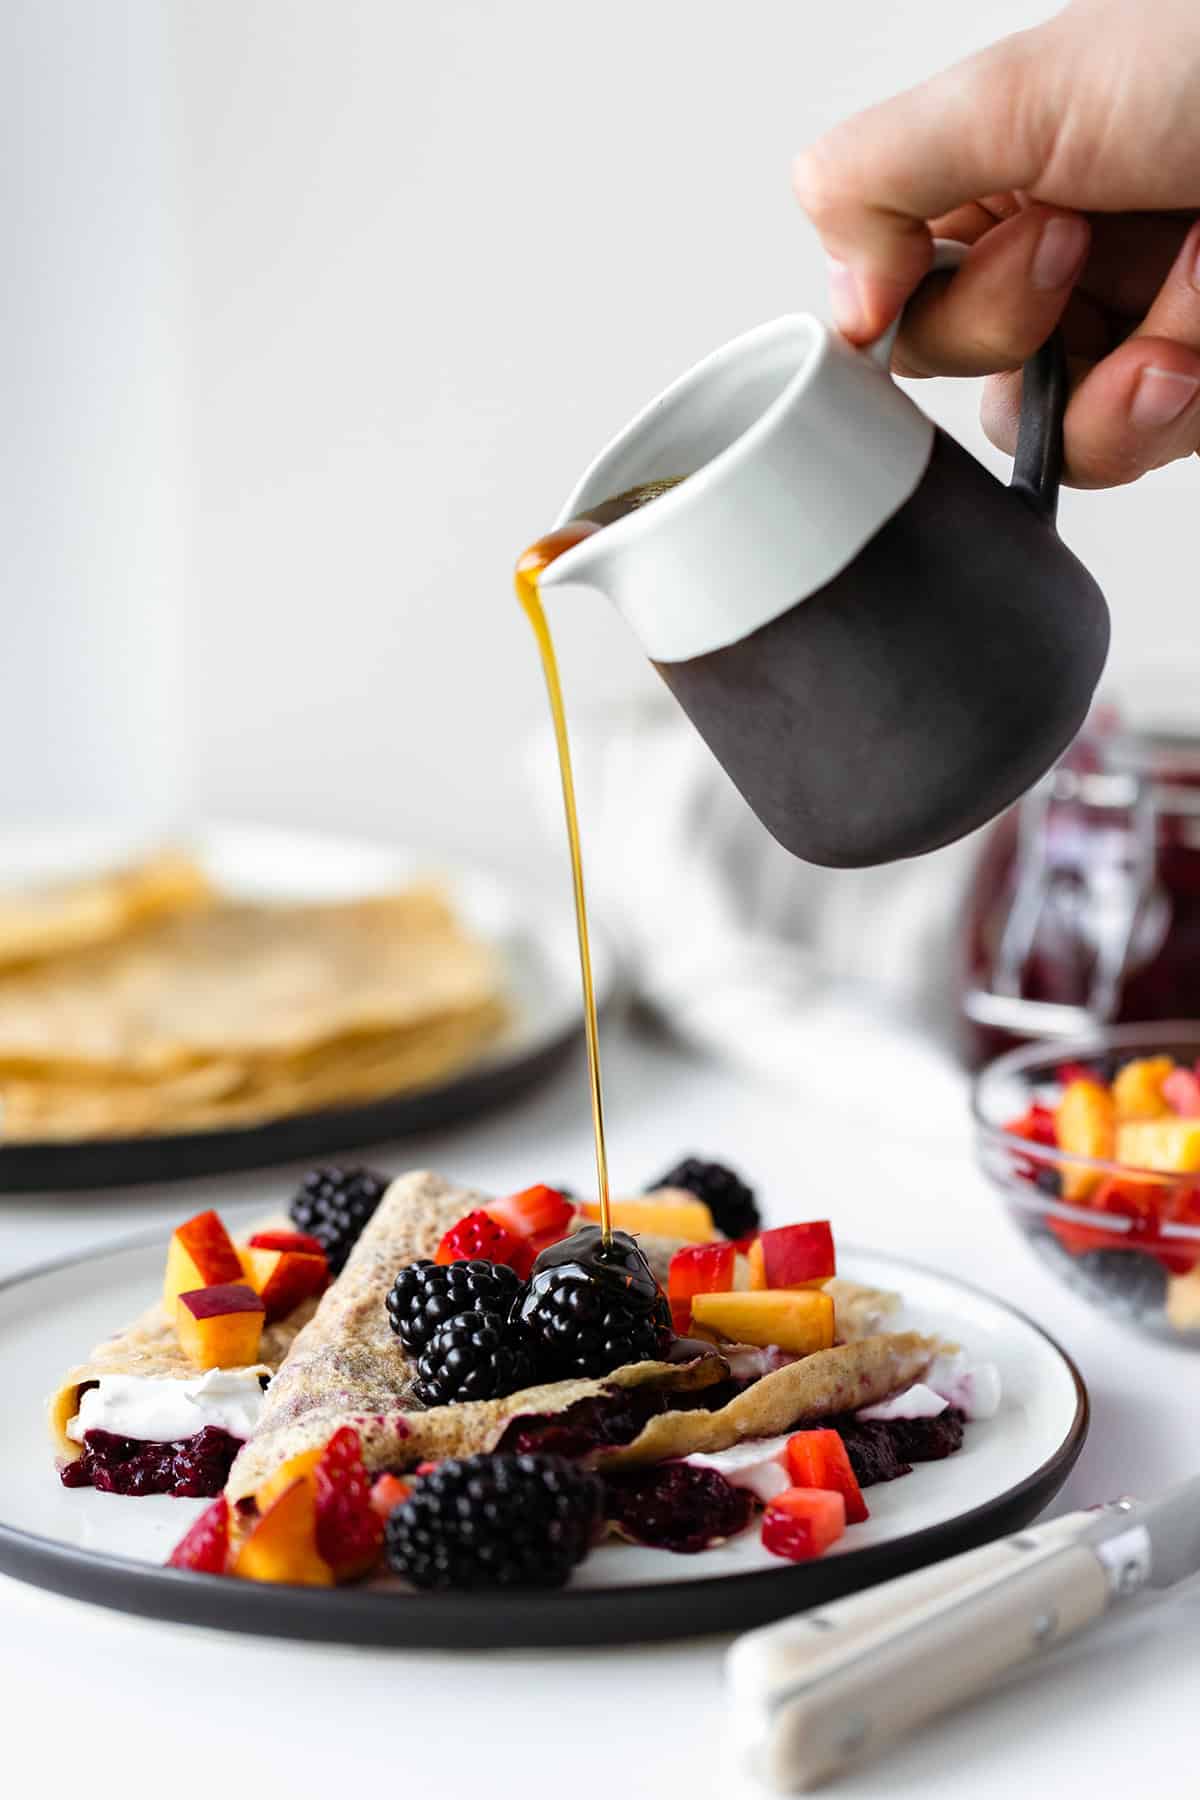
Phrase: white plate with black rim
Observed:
(534, 937)
(110, 1550)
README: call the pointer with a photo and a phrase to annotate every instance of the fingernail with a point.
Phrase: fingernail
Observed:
(1193, 252)
(1160, 396)
(845, 299)
(1060, 250)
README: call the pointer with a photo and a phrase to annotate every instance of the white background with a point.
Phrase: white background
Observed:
(312, 313)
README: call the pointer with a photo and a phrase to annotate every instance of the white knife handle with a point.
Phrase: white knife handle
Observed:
(835, 1686)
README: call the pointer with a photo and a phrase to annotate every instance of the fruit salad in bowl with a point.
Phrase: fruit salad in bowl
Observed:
(1095, 1146)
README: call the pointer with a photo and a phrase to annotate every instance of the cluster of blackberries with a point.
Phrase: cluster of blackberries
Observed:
(732, 1204)
(476, 1331)
(333, 1205)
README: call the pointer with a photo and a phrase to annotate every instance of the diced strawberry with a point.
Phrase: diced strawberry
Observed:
(1181, 1091)
(387, 1493)
(204, 1548)
(349, 1529)
(536, 1212)
(1116, 1197)
(479, 1236)
(298, 1241)
(801, 1523)
(698, 1269)
(1074, 1071)
(818, 1459)
(1036, 1126)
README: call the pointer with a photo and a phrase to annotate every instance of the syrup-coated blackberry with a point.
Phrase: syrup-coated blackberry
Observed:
(333, 1205)
(590, 1308)
(495, 1521)
(477, 1356)
(427, 1295)
(727, 1197)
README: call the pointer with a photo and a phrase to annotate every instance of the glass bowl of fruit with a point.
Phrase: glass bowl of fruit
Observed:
(1095, 1145)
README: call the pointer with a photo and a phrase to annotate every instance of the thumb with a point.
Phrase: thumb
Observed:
(984, 127)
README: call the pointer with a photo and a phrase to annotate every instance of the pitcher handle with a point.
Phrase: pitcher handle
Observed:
(1037, 467)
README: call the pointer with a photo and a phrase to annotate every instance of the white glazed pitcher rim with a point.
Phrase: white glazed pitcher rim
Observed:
(813, 339)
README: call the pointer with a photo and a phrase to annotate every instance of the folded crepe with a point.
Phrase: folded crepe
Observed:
(150, 1347)
(347, 1368)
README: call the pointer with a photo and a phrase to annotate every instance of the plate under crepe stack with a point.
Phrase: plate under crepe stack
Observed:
(146, 1001)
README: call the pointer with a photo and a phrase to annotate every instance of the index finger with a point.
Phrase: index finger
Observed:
(871, 183)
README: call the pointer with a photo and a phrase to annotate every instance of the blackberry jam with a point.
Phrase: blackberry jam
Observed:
(191, 1468)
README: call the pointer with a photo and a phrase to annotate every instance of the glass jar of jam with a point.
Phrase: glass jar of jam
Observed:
(1084, 907)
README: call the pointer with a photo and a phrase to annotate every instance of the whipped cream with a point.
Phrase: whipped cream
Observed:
(916, 1402)
(757, 1465)
(950, 1380)
(749, 1362)
(973, 1387)
(161, 1408)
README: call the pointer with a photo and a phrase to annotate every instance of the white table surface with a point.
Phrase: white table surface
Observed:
(134, 1707)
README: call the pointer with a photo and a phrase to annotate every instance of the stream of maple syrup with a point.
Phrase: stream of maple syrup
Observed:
(529, 569)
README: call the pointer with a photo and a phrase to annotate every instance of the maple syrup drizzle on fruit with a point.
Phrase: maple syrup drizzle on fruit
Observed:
(529, 568)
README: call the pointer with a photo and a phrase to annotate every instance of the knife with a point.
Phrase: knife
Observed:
(828, 1689)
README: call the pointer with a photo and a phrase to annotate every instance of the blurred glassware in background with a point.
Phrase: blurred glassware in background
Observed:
(1085, 903)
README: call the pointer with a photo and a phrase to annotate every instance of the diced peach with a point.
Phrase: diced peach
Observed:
(1086, 1123)
(283, 1544)
(296, 1468)
(797, 1320)
(1170, 1144)
(1137, 1089)
(283, 1278)
(670, 1213)
(200, 1254)
(220, 1327)
(793, 1256)
(286, 1240)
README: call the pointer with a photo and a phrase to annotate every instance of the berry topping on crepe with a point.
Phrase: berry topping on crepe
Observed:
(476, 1356)
(675, 1507)
(495, 1521)
(727, 1197)
(479, 1237)
(427, 1295)
(591, 1307)
(333, 1205)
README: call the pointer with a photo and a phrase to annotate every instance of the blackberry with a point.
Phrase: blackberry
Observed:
(495, 1521)
(477, 1356)
(589, 1307)
(731, 1203)
(427, 1295)
(333, 1205)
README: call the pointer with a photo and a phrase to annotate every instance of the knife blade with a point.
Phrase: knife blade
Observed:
(830, 1688)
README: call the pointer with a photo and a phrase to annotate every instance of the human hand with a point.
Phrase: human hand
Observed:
(1068, 157)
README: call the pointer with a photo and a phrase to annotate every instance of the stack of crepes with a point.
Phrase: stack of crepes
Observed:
(346, 1367)
(146, 1001)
